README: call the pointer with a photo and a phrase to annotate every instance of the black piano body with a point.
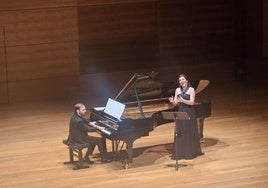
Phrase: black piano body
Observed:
(145, 100)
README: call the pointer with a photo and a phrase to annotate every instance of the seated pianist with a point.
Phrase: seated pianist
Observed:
(78, 133)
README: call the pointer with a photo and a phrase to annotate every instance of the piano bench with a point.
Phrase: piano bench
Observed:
(75, 150)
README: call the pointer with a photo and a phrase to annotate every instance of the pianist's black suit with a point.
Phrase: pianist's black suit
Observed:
(78, 133)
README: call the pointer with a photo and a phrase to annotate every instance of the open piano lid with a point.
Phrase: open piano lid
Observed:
(142, 86)
(200, 85)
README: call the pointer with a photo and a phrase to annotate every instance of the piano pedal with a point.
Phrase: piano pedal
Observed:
(127, 165)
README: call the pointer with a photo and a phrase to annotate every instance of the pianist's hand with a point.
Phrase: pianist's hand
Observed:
(100, 128)
(92, 123)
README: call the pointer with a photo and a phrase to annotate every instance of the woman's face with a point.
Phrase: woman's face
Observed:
(183, 81)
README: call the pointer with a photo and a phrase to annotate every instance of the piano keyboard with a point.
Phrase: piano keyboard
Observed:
(106, 132)
(106, 124)
(108, 128)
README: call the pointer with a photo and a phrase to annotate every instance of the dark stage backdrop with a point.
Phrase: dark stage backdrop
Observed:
(265, 29)
(148, 34)
(116, 37)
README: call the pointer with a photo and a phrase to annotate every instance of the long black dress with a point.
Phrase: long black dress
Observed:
(188, 141)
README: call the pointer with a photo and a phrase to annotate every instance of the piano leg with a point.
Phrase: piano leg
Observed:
(127, 160)
(201, 127)
(129, 149)
(128, 142)
(129, 155)
(115, 148)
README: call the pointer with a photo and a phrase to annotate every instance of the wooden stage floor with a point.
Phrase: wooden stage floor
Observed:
(236, 147)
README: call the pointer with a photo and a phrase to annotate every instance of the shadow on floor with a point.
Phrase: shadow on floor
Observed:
(156, 154)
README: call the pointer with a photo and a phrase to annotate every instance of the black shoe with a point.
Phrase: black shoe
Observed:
(87, 160)
(103, 161)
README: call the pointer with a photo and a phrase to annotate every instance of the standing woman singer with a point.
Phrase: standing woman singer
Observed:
(188, 141)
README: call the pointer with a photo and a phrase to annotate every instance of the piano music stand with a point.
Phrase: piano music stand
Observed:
(175, 116)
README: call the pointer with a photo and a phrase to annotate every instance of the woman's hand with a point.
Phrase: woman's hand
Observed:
(171, 99)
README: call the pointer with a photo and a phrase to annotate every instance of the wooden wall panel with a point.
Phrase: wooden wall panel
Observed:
(49, 89)
(193, 31)
(41, 43)
(3, 80)
(3, 65)
(3, 72)
(117, 37)
(3, 93)
(33, 4)
(1, 36)
(2, 56)
(104, 2)
(40, 26)
(42, 61)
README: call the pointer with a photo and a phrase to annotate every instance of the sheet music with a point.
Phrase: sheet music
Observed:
(114, 108)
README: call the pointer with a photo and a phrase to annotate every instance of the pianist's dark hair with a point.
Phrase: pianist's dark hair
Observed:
(186, 77)
(78, 106)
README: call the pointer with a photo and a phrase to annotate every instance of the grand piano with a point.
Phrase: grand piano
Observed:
(145, 99)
